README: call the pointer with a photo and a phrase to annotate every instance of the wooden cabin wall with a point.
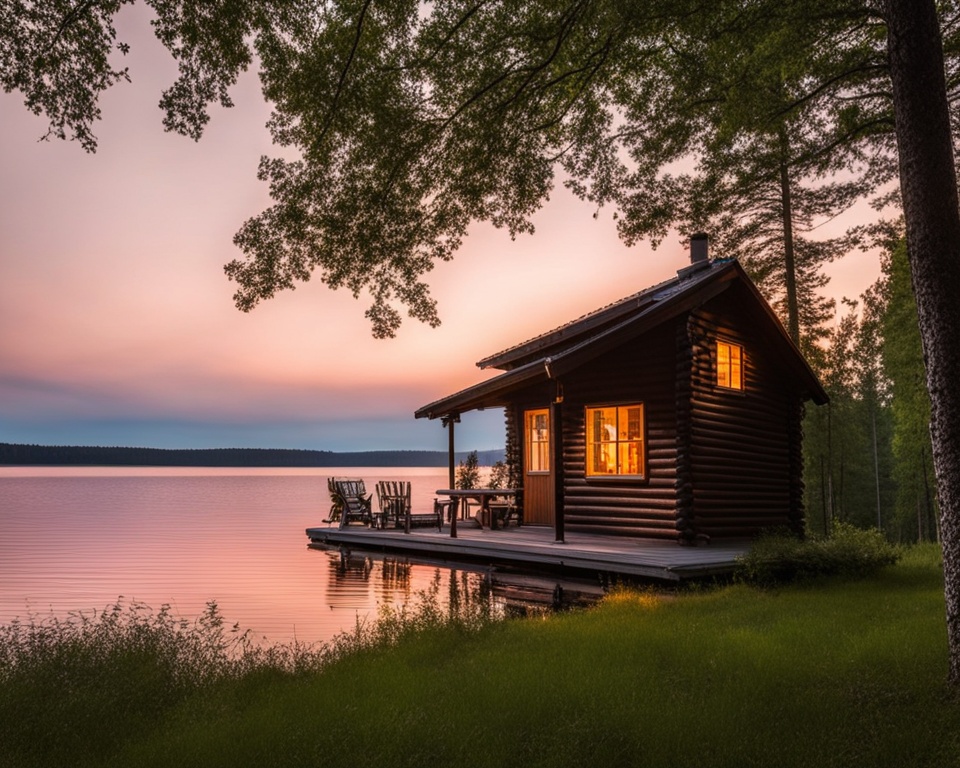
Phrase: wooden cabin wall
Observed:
(745, 446)
(643, 371)
(686, 527)
(513, 448)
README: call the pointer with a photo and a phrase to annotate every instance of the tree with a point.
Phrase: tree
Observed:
(468, 471)
(499, 475)
(771, 161)
(58, 54)
(406, 123)
(928, 185)
(910, 403)
(847, 445)
(411, 121)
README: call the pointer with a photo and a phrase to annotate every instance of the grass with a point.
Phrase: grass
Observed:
(829, 673)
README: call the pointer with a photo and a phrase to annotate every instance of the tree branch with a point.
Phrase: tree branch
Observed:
(69, 19)
(343, 74)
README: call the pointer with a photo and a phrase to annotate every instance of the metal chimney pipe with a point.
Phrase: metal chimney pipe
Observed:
(699, 248)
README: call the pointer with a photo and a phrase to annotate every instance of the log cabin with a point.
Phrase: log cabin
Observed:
(675, 413)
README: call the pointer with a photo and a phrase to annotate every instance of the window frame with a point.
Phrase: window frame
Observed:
(742, 367)
(589, 443)
(529, 443)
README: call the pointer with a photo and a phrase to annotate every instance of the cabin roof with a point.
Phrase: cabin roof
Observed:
(568, 347)
(586, 326)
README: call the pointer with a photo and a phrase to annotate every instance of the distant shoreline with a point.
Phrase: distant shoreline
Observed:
(13, 454)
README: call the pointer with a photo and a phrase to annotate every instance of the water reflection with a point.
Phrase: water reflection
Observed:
(357, 577)
(78, 541)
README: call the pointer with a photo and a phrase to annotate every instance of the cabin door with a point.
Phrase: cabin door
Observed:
(538, 501)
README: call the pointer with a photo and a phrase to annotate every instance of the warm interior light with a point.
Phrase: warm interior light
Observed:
(538, 440)
(615, 440)
(729, 365)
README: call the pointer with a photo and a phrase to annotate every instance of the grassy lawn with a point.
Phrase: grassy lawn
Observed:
(836, 673)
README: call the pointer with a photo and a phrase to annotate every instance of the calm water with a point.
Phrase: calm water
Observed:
(78, 538)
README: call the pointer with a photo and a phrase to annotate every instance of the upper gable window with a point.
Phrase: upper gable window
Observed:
(615, 441)
(729, 365)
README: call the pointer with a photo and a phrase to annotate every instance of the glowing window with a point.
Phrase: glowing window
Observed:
(538, 440)
(615, 441)
(729, 365)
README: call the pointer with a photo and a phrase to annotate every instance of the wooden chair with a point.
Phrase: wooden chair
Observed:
(446, 508)
(393, 497)
(355, 502)
(393, 500)
(467, 505)
(505, 508)
(336, 503)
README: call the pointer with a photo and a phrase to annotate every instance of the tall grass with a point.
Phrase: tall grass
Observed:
(840, 673)
(74, 690)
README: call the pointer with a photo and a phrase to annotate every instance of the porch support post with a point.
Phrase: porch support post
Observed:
(556, 428)
(448, 421)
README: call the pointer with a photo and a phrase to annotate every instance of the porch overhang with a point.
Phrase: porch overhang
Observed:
(492, 393)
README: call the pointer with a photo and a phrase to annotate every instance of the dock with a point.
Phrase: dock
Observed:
(532, 547)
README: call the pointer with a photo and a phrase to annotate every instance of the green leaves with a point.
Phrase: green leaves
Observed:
(401, 123)
(409, 124)
(209, 42)
(57, 53)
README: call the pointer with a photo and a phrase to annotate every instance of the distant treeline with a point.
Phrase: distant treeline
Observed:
(78, 455)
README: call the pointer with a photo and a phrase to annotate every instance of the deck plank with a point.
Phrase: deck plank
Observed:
(534, 546)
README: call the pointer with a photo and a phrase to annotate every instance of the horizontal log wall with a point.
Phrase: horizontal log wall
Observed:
(720, 462)
(642, 371)
(744, 445)
(513, 448)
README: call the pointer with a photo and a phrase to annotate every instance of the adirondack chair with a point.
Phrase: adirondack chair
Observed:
(336, 500)
(393, 499)
(395, 508)
(356, 503)
(336, 503)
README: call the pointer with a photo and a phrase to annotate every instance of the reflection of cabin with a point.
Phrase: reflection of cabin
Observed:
(678, 412)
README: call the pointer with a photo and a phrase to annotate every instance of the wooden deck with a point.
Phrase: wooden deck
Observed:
(533, 547)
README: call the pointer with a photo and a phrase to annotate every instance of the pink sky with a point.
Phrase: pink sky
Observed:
(117, 325)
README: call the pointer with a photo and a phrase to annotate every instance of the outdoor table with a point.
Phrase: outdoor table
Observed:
(482, 495)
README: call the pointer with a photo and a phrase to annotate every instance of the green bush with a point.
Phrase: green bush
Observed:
(468, 471)
(499, 476)
(782, 557)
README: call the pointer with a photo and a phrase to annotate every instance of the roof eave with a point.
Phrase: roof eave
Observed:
(486, 394)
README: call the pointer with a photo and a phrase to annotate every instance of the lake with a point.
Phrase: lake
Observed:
(79, 538)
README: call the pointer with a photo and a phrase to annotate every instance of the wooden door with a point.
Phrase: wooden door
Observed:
(538, 501)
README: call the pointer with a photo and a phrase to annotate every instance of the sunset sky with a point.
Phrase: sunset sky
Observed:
(117, 325)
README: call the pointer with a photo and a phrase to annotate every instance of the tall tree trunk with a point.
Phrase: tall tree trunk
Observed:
(789, 262)
(930, 206)
(876, 465)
